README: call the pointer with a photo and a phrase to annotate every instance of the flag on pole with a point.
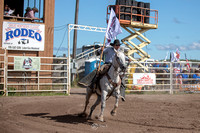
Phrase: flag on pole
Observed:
(188, 65)
(177, 55)
(113, 28)
(173, 57)
(166, 55)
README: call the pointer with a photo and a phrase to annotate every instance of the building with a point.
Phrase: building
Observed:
(22, 36)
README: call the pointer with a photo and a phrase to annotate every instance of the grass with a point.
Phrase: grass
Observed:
(35, 94)
(40, 94)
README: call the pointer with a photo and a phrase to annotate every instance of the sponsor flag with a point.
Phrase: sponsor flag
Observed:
(113, 28)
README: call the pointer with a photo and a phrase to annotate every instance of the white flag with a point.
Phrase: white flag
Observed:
(175, 57)
(113, 28)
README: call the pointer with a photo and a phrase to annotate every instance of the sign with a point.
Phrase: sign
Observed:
(23, 36)
(144, 78)
(190, 88)
(25, 63)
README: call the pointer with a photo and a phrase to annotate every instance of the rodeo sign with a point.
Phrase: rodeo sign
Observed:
(23, 36)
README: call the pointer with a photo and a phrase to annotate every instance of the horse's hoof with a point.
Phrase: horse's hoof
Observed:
(113, 113)
(82, 115)
(101, 119)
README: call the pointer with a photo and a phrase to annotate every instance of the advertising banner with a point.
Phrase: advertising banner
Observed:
(195, 88)
(144, 78)
(25, 63)
(23, 36)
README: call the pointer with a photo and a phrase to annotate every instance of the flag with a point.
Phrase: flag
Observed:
(113, 28)
(173, 57)
(166, 55)
(177, 55)
(188, 65)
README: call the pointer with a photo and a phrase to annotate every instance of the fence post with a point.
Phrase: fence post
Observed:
(6, 72)
(171, 78)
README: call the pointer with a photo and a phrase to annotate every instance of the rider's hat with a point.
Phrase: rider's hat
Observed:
(116, 42)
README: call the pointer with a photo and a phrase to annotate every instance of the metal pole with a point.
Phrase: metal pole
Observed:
(39, 9)
(68, 62)
(171, 78)
(75, 31)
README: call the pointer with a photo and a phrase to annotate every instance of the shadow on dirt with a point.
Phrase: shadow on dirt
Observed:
(70, 118)
(77, 93)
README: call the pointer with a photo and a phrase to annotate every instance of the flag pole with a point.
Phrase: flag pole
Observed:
(113, 29)
(101, 54)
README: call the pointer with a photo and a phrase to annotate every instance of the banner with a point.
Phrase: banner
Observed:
(113, 28)
(25, 63)
(23, 36)
(195, 88)
(144, 78)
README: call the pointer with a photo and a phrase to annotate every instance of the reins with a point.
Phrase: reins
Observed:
(112, 83)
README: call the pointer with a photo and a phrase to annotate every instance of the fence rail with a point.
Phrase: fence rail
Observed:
(53, 75)
(48, 74)
(163, 76)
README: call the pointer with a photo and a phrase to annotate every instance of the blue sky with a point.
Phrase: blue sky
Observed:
(178, 26)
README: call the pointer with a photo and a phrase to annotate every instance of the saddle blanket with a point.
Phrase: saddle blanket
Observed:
(87, 80)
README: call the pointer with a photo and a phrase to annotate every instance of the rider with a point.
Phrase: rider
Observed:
(109, 53)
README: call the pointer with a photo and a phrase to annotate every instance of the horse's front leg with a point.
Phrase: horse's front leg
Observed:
(103, 104)
(114, 111)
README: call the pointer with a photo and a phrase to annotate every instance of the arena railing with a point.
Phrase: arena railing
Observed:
(168, 79)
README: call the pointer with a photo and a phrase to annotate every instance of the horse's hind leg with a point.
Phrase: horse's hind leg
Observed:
(88, 95)
(94, 106)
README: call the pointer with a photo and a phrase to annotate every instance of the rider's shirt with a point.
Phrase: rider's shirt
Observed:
(109, 53)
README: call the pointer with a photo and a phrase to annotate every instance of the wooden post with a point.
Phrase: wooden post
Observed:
(101, 54)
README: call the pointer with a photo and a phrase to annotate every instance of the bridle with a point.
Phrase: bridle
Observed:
(121, 65)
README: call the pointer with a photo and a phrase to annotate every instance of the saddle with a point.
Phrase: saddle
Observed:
(95, 75)
(104, 69)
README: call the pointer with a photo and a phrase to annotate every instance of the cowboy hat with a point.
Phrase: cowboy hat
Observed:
(116, 42)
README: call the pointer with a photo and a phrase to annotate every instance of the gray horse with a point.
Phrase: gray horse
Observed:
(109, 85)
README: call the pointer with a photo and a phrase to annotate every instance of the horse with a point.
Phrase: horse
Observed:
(109, 85)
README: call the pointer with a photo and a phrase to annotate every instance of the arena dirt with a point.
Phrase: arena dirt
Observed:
(179, 113)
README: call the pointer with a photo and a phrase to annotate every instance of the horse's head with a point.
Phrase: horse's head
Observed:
(119, 61)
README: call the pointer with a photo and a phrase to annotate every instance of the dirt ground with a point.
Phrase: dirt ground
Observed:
(179, 113)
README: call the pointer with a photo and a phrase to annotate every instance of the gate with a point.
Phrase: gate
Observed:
(34, 74)
(3, 67)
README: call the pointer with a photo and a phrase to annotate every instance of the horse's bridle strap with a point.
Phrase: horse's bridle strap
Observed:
(113, 83)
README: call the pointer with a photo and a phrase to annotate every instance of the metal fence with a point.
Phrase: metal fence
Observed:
(3, 68)
(34, 74)
(164, 76)
(53, 75)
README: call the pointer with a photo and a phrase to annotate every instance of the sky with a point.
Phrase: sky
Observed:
(178, 26)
